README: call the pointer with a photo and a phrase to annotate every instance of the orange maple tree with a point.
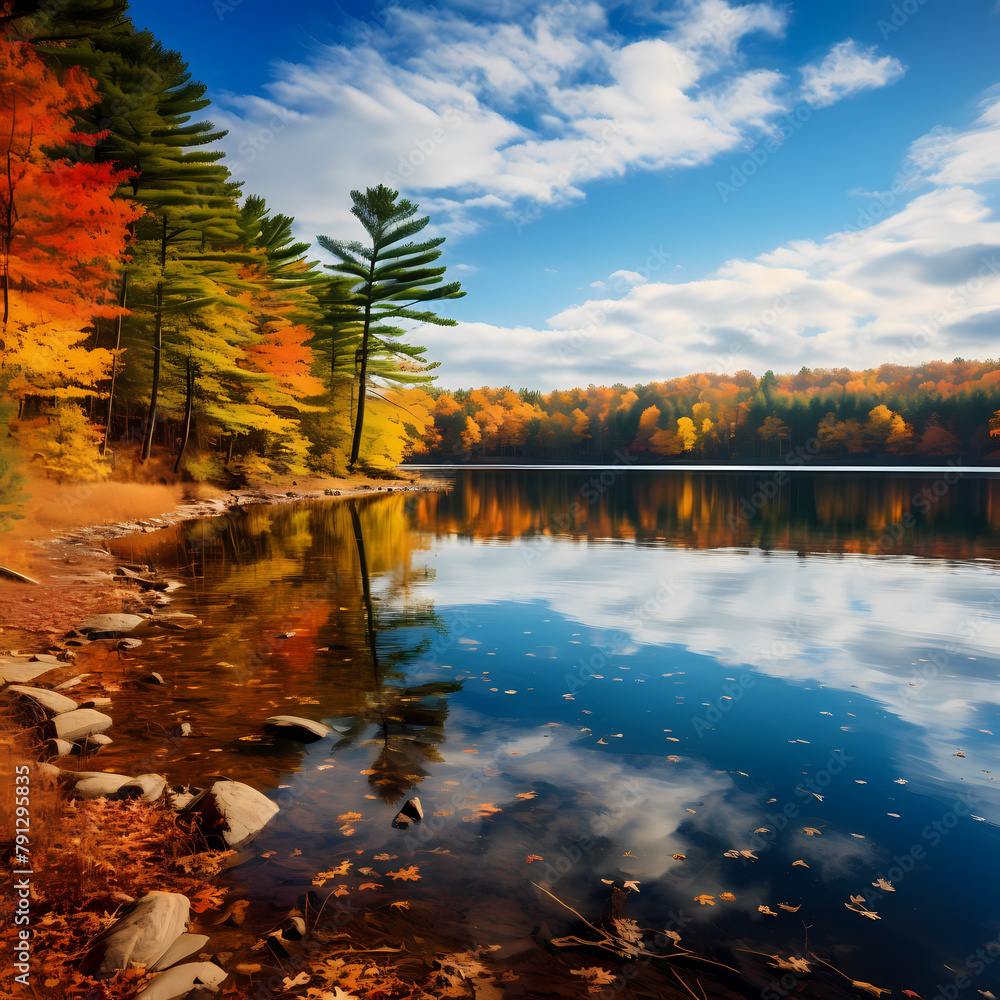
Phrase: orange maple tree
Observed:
(62, 231)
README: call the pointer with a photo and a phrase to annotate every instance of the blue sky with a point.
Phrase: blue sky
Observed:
(636, 191)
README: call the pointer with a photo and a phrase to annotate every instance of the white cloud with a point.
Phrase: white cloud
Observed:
(847, 70)
(497, 113)
(629, 278)
(921, 283)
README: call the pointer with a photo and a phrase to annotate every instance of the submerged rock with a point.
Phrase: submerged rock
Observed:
(295, 728)
(109, 626)
(412, 812)
(144, 932)
(97, 784)
(178, 982)
(230, 814)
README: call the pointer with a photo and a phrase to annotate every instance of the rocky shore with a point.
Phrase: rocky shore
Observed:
(71, 613)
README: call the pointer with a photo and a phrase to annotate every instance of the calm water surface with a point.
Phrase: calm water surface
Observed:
(625, 677)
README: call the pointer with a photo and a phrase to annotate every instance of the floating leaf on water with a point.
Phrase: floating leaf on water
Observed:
(632, 885)
(679, 857)
(401, 904)
(793, 964)
(899, 781)
(533, 857)
(369, 885)
(385, 857)
(762, 829)
(594, 975)
(870, 914)
(801, 864)
(877, 990)
(442, 812)
(958, 753)
(727, 896)
(767, 911)
(883, 885)
(893, 815)
(811, 831)
(790, 908)
(705, 900)
(673, 739)
(769, 801)
(405, 873)
(859, 836)
(690, 810)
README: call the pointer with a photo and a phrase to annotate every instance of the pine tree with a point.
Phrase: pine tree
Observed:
(393, 277)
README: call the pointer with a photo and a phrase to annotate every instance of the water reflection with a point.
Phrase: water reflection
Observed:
(620, 680)
(950, 514)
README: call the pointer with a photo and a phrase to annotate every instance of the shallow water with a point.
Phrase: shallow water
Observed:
(605, 670)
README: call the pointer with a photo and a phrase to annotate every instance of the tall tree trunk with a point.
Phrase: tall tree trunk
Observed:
(187, 416)
(114, 362)
(360, 418)
(147, 442)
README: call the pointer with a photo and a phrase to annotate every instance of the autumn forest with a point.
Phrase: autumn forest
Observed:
(158, 319)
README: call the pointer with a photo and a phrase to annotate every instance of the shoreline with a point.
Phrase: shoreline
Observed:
(37, 649)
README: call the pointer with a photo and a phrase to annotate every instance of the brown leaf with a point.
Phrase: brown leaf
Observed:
(680, 857)
(877, 990)
(405, 873)
(801, 864)
(533, 857)
(727, 896)
(790, 908)
(811, 831)
(705, 900)
(767, 911)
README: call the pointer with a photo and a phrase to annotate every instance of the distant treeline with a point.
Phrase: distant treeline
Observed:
(935, 410)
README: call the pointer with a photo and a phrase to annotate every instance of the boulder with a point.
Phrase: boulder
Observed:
(230, 814)
(109, 626)
(143, 933)
(181, 796)
(294, 728)
(179, 981)
(41, 702)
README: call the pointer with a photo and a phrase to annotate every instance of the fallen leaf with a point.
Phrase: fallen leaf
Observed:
(594, 975)
(727, 896)
(885, 886)
(385, 857)
(877, 990)
(680, 857)
(705, 900)
(300, 980)
(632, 885)
(405, 873)
(767, 911)
(793, 964)
(350, 817)
(870, 914)
(442, 812)
(790, 908)
(525, 795)
(533, 857)
(762, 829)
(811, 831)
(401, 904)
(958, 753)
(801, 864)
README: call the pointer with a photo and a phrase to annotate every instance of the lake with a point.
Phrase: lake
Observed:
(767, 700)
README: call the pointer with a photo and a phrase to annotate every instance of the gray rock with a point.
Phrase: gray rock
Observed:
(21, 671)
(57, 748)
(181, 796)
(293, 727)
(82, 722)
(41, 701)
(149, 787)
(71, 683)
(144, 932)
(231, 814)
(98, 784)
(109, 626)
(178, 982)
(91, 744)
